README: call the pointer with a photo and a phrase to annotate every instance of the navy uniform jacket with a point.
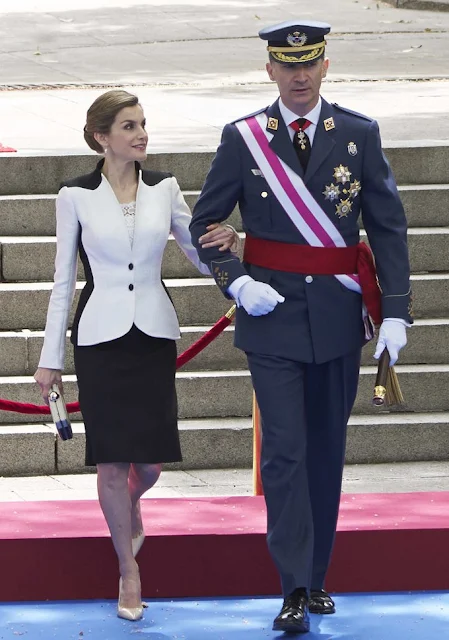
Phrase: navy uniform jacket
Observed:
(319, 320)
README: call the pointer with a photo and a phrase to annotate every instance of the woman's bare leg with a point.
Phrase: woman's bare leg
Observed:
(141, 478)
(116, 504)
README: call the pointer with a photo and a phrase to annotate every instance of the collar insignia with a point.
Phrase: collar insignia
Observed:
(329, 124)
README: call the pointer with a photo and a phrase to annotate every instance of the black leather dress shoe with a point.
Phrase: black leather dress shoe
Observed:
(321, 602)
(294, 615)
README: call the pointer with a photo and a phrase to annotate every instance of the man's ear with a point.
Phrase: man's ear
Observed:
(325, 67)
(269, 68)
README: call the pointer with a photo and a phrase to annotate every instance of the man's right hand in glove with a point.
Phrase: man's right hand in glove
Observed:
(258, 298)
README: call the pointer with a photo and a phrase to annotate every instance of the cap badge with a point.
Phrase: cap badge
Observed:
(273, 124)
(297, 39)
(329, 124)
(352, 149)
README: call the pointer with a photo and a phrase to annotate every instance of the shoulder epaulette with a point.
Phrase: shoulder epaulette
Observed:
(353, 113)
(250, 115)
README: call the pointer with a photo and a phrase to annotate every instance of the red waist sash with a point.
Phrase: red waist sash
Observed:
(299, 258)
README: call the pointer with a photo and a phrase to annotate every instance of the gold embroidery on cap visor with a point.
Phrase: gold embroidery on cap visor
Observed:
(314, 51)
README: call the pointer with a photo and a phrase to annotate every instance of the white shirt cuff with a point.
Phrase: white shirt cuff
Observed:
(401, 320)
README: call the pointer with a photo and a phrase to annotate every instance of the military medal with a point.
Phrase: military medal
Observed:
(342, 174)
(331, 192)
(344, 208)
(354, 188)
(302, 138)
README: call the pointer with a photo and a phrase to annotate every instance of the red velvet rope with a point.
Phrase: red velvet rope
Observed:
(181, 360)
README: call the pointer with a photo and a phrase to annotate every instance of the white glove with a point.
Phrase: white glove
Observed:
(258, 298)
(393, 336)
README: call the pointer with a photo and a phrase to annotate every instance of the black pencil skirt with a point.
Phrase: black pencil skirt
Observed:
(127, 396)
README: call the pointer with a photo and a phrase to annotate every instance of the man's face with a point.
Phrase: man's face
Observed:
(299, 84)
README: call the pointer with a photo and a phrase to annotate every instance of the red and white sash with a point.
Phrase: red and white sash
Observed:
(292, 194)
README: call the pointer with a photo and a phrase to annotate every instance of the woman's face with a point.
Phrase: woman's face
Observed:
(127, 139)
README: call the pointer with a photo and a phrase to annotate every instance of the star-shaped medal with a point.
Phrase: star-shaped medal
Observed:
(344, 207)
(354, 188)
(342, 174)
(331, 192)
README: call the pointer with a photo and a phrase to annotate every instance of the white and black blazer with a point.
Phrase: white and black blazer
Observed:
(123, 282)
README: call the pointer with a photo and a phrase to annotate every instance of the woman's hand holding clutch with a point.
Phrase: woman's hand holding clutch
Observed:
(46, 378)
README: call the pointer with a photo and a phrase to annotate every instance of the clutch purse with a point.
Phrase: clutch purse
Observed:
(59, 413)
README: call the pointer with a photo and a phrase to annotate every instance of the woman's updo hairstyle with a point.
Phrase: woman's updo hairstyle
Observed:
(102, 113)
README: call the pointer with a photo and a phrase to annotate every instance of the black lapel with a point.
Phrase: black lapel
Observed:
(323, 142)
(281, 142)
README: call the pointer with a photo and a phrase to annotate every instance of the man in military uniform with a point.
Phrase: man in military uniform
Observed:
(302, 171)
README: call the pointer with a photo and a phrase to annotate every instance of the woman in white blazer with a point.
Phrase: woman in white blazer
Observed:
(118, 218)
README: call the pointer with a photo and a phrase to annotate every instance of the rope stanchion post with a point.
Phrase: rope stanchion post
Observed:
(257, 444)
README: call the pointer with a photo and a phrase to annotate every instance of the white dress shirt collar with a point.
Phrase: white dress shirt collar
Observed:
(313, 116)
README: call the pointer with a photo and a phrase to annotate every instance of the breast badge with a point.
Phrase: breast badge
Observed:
(354, 189)
(342, 174)
(352, 148)
(343, 194)
(331, 192)
(329, 124)
(344, 207)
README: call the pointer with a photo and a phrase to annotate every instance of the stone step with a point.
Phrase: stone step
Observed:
(30, 259)
(412, 163)
(215, 394)
(227, 442)
(24, 305)
(427, 344)
(198, 301)
(34, 215)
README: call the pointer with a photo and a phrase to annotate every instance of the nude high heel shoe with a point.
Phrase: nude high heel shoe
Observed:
(128, 613)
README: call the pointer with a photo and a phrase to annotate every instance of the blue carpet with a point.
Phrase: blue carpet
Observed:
(398, 616)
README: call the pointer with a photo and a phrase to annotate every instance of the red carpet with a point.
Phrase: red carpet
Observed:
(5, 149)
(216, 547)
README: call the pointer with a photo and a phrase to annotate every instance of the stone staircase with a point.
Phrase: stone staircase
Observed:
(214, 389)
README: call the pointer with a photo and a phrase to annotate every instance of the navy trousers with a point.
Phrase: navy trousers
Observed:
(304, 409)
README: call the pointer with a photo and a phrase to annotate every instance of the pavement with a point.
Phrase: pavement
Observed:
(401, 477)
(429, 5)
(197, 64)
